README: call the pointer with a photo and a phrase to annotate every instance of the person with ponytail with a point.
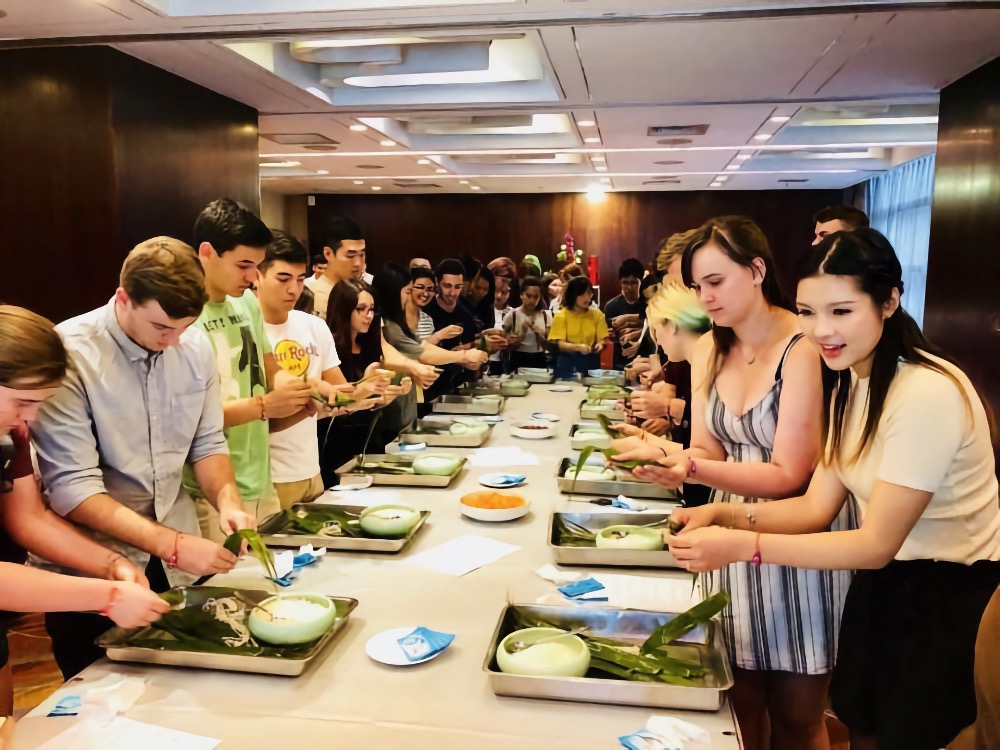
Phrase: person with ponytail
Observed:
(908, 437)
(33, 364)
(756, 421)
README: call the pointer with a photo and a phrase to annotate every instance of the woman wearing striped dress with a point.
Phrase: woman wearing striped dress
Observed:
(756, 424)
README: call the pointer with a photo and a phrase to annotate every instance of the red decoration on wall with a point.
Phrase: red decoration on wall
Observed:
(592, 271)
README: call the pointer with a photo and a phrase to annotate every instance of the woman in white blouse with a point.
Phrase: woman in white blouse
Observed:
(910, 439)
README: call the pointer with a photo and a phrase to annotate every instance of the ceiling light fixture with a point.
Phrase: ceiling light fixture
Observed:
(322, 171)
(586, 123)
(744, 157)
(592, 140)
(597, 157)
(605, 179)
(596, 193)
(441, 170)
(732, 167)
(716, 184)
(359, 182)
(376, 187)
(423, 161)
(272, 164)
(358, 128)
(780, 118)
(387, 143)
(722, 178)
(762, 137)
(476, 187)
(600, 168)
(463, 182)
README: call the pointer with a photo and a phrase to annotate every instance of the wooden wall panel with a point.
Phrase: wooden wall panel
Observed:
(962, 310)
(624, 225)
(101, 151)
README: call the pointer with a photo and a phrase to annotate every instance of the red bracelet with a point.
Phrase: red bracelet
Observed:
(755, 560)
(263, 409)
(112, 598)
(692, 467)
(172, 560)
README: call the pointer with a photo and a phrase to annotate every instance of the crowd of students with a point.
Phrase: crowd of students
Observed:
(228, 379)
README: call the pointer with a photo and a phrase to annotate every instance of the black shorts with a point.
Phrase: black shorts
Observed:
(904, 672)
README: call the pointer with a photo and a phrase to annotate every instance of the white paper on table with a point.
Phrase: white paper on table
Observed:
(367, 497)
(502, 456)
(649, 593)
(122, 733)
(461, 555)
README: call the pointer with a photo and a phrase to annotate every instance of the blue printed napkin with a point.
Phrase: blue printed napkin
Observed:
(423, 643)
(579, 589)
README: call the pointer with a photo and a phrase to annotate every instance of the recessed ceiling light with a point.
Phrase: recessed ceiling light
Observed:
(359, 128)
(732, 167)
(762, 137)
(591, 140)
(441, 170)
(780, 118)
(596, 193)
(721, 178)
(605, 179)
(280, 163)
(322, 171)
(376, 187)
(600, 168)
(744, 157)
(475, 187)
(435, 157)
(423, 161)
(388, 143)
(716, 184)
(586, 123)
(359, 182)
(463, 182)
(596, 157)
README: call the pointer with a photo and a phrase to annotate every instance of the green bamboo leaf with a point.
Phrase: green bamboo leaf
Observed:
(605, 423)
(685, 622)
(257, 547)
(368, 437)
(584, 455)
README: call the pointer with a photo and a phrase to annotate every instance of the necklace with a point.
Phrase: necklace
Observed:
(748, 361)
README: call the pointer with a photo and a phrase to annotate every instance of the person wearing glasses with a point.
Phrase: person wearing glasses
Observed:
(421, 293)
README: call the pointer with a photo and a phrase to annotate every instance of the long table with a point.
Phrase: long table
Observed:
(349, 701)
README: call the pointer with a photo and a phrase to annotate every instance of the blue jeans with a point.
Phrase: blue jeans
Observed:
(570, 363)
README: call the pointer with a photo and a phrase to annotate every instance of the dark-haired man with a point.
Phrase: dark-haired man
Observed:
(141, 399)
(838, 219)
(257, 396)
(624, 312)
(344, 250)
(447, 310)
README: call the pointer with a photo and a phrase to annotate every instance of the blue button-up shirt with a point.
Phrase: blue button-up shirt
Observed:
(125, 421)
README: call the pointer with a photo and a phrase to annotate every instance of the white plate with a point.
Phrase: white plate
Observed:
(544, 416)
(561, 389)
(494, 514)
(492, 419)
(384, 647)
(496, 480)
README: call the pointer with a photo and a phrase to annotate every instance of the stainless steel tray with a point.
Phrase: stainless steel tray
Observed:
(538, 377)
(611, 557)
(403, 480)
(465, 405)
(612, 487)
(626, 626)
(507, 391)
(590, 411)
(605, 380)
(444, 439)
(580, 443)
(119, 642)
(353, 544)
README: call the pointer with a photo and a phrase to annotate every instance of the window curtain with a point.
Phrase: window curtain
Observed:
(898, 204)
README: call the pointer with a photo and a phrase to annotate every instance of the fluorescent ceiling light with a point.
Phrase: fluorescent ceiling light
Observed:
(281, 164)
(359, 182)
(605, 179)
(599, 168)
(510, 60)
(475, 187)
(592, 140)
(376, 187)
(463, 182)
(927, 120)
(716, 184)
(359, 128)
(732, 167)
(441, 170)
(423, 161)
(722, 178)
(597, 157)
(586, 123)
(387, 143)
(744, 157)
(322, 171)
(780, 118)
(596, 193)
(762, 137)
(319, 93)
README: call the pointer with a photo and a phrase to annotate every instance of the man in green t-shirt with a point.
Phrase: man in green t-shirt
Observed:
(257, 396)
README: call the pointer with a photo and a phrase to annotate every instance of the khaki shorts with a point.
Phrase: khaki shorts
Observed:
(303, 491)
(208, 516)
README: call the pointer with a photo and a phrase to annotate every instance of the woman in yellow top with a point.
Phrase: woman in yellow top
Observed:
(578, 330)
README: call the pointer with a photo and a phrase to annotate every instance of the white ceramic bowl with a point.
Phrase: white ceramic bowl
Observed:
(495, 514)
(532, 430)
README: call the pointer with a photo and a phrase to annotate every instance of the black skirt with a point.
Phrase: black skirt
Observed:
(904, 672)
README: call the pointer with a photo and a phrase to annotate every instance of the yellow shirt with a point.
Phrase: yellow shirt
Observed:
(579, 327)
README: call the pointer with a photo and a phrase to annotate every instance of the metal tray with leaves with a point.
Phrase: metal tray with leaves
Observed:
(571, 542)
(401, 479)
(537, 374)
(590, 411)
(578, 443)
(503, 389)
(426, 431)
(291, 528)
(466, 405)
(625, 627)
(190, 635)
(611, 487)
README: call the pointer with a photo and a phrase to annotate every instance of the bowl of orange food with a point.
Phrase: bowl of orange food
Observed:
(493, 506)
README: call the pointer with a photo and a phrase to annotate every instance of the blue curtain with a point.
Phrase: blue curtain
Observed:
(898, 204)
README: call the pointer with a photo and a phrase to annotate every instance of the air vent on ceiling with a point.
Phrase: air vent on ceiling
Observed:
(674, 141)
(795, 179)
(370, 166)
(323, 147)
(418, 185)
(657, 131)
(661, 182)
(298, 139)
(667, 162)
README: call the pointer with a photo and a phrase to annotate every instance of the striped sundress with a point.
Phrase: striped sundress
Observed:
(782, 619)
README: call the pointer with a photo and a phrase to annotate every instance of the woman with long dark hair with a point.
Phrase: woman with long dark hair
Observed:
(528, 327)
(755, 435)
(908, 438)
(578, 330)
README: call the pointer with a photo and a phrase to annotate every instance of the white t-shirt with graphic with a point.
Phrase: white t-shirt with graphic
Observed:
(303, 346)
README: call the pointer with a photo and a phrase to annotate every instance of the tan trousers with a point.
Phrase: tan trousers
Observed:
(208, 516)
(303, 491)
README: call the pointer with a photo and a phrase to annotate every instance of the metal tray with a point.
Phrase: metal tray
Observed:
(605, 380)
(445, 440)
(118, 642)
(538, 377)
(612, 487)
(627, 626)
(352, 544)
(589, 411)
(465, 405)
(507, 391)
(580, 443)
(633, 558)
(403, 480)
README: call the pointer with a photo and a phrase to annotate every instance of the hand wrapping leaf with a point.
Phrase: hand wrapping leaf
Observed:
(234, 543)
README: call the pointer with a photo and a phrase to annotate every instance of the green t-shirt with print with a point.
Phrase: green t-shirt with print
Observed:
(235, 327)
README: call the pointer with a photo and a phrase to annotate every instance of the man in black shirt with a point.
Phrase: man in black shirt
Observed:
(624, 312)
(446, 309)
